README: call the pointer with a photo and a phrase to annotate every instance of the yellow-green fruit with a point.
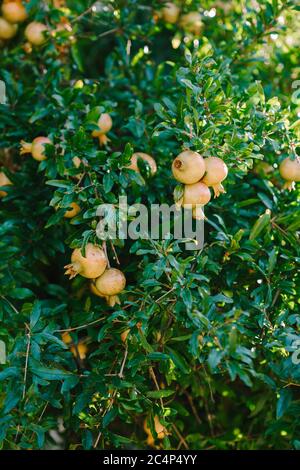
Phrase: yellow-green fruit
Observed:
(34, 33)
(290, 169)
(194, 194)
(91, 265)
(188, 167)
(95, 291)
(14, 12)
(215, 172)
(104, 123)
(112, 282)
(147, 158)
(7, 30)
(36, 148)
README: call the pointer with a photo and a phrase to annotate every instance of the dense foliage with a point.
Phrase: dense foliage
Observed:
(213, 336)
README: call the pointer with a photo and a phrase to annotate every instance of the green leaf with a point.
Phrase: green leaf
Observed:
(260, 225)
(160, 393)
(47, 373)
(21, 293)
(283, 402)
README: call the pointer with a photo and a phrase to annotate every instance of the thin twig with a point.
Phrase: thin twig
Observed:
(79, 327)
(9, 303)
(123, 364)
(88, 10)
(115, 253)
(192, 405)
(120, 374)
(153, 376)
(106, 33)
(181, 438)
(26, 360)
(106, 255)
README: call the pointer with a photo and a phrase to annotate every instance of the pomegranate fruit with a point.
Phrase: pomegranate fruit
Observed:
(263, 169)
(111, 282)
(159, 429)
(66, 337)
(91, 265)
(7, 30)
(34, 33)
(36, 148)
(215, 172)
(290, 171)
(147, 158)
(14, 11)
(195, 194)
(94, 290)
(188, 167)
(170, 12)
(104, 124)
(79, 350)
(70, 213)
(192, 22)
(4, 181)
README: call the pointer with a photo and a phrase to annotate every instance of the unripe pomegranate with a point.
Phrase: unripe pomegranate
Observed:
(290, 171)
(72, 212)
(94, 290)
(188, 167)
(192, 22)
(79, 350)
(111, 282)
(104, 123)
(91, 265)
(4, 181)
(36, 148)
(147, 158)
(7, 30)
(159, 428)
(196, 194)
(66, 337)
(263, 168)
(34, 33)
(170, 12)
(14, 11)
(215, 172)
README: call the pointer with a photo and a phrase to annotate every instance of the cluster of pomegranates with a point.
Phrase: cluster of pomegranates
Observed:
(190, 22)
(198, 174)
(14, 13)
(105, 282)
